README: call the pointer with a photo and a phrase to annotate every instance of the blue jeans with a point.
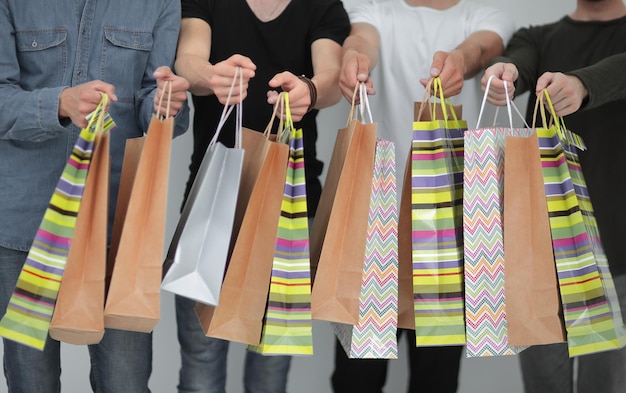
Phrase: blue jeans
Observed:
(121, 362)
(548, 368)
(203, 360)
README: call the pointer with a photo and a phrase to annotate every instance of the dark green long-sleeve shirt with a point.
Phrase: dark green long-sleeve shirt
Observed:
(595, 52)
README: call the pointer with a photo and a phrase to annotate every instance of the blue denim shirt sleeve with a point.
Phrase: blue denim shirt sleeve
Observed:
(26, 115)
(166, 34)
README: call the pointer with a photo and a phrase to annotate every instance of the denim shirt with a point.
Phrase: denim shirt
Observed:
(47, 46)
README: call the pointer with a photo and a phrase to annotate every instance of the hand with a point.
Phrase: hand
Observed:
(450, 68)
(179, 91)
(299, 94)
(79, 101)
(503, 73)
(222, 79)
(355, 69)
(566, 92)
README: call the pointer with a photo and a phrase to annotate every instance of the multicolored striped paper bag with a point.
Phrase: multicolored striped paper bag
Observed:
(374, 336)
(593, 320)
(485, 313)
(437, 226)
(29, 312)
(287, 325)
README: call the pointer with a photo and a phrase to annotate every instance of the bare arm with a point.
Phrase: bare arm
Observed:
(192, 63)
(465, 61)
(359, 56)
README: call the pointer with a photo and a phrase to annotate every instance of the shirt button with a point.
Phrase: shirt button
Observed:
(34, 44)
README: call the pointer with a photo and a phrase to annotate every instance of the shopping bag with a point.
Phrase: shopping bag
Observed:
(29, 312)
(132, 301)
(339, 231)
(196, 260)
(485, 313)
(287, 324)
(591, 311)
(239, 314)
(532, 300)
(78, 316)
(375, 335)
(435, 167)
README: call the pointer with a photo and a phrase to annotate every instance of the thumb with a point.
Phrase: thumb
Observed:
(163, 73)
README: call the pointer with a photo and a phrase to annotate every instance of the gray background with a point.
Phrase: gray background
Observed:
(308, 374)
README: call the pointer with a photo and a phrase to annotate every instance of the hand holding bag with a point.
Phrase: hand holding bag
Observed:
(196, 260)
(287, 325)
(79, 311)
(591, 309)
(133, 297)
(30, 308)
(239, 315)
(375, 334)
(339, 231)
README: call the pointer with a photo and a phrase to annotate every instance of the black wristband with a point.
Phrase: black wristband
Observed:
(312, 91)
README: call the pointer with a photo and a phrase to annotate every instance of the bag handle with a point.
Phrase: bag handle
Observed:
(446, 105)
(509, 104)
(285, 123)
(168, 86)
(98, 115)
(228, 109)
(565, 135)
(362, 107)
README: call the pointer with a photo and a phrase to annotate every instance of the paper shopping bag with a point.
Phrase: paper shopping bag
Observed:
(436, 185)
(29, 312)
(591, 311)
(339, 231)
(483, 196)
(374, 336)
(132, 301)
(239, 314)
(287, 325)
(532, 300)
(196, 260)
(78, 316)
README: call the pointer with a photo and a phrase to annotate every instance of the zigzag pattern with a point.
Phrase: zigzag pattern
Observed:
(590, 305)
(484, 243)
(437, 225)
(375, 334)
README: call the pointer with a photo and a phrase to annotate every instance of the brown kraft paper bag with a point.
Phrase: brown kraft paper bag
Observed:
(78, 314)
(339, 231)
(239, 315)
(406, 314)
(133, 301)
(531, 291)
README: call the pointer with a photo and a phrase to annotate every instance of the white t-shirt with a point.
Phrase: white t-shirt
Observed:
(409, 37)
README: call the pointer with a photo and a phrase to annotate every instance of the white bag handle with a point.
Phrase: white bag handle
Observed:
(228, 109)
(509, 104)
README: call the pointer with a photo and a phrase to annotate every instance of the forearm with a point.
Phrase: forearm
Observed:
(197, 71)
(605, 81)
(477, 51)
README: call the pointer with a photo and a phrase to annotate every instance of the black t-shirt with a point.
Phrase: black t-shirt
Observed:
(283, 44)
(595, 52)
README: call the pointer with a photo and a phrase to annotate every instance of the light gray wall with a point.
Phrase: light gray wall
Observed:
(308, 374)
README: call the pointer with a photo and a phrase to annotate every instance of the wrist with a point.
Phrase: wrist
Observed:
(312, 91)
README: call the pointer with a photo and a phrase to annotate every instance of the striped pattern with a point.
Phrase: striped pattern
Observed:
(437, 231)
(374, 336)
(592, 320)
(287, 327)
(28, 315)
(484, 244)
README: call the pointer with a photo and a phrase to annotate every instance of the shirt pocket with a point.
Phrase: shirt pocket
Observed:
(124, 59)
(42, 55)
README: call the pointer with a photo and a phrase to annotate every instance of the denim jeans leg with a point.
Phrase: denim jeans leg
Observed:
(121, 362)
(26, 369)
(266, 374)
(605, 372)
(203, 359)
